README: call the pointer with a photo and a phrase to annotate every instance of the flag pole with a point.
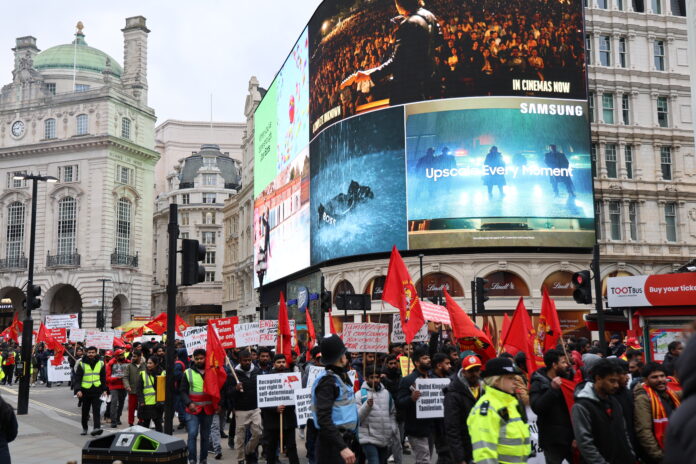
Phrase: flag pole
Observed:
(282, 443)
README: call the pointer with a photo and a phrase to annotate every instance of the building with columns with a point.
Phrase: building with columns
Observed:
(73, 112)
(199, 169)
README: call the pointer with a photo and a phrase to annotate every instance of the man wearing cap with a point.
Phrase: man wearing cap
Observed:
(498, 429)
(334, 409)
(461, 394)
(115, 371)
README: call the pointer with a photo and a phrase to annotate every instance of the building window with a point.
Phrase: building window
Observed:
(662, 112)
(633, 219)
(626, 109)
(209, 257)
(184, 235)
(615, 219)
(50, 129)
(593, 159)
(210, 276)
(209, 179)
(208, 238)
(81, 87)
(68, 173)
(184, 219)
(125, 128)
(185, 199)
(209, 163)
(666, 162)
(591, 105)
(599, 218)
(623, 52)
(628, 160)
(656, 6)
(16, 183)
(15, 230)
(209, 198)
(619, 5)
(124, 175)
(51, 87)
(610, 159)
(588, 49)
(123, 226)
(67, 218)
(608, 108)
(602, 4)
(659, 54)
(209, 218)
(671, 221)
(82, 124)
(605, 50)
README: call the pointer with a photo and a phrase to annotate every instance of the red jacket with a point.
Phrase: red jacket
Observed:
(115, 383)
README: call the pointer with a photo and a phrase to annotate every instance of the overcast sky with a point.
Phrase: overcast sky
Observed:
(195, 48)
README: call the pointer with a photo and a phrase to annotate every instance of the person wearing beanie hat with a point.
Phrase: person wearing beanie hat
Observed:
(334, 410)
(496, 423)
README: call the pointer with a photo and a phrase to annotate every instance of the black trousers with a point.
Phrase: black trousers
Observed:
(9, 370)
(556, 454)
(271, 439)
(94, 403)
(327, 452)
(151, 413)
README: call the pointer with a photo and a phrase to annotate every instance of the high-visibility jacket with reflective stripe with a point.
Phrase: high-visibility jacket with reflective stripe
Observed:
(345, 410)
(2, 373)
(148, 388)
(195, 381)
(91, 377)
(495, 439)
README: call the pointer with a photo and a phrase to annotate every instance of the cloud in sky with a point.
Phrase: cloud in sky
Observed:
(195, 48)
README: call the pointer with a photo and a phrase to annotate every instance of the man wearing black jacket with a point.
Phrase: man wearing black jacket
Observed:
(680, 446)
(548, 403)
(90, 383)
(461, 394)
(272, 425)
(419, 431)
(246, 410)
(391, 376)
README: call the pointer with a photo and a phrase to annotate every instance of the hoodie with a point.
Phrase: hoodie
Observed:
(680, 446)
(377, 422)
(600, 429)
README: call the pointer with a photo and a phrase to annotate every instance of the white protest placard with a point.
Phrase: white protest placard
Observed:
(312, 374)
(148, 338)
(268, 332)
(101, 340)
(195, 338)
(430, 404)
(59, 373)
(246, 334)
(398, 336)
(77, 335)
(368, 337)
(277, 389)
(303, 405)
(62, 321)
(537, 456)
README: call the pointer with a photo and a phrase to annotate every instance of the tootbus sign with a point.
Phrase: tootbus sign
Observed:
(652, 290)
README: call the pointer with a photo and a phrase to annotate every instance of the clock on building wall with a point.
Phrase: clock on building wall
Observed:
(17, 129)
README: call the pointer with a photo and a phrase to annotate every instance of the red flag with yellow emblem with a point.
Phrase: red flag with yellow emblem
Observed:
(400, 292)
(215, 375)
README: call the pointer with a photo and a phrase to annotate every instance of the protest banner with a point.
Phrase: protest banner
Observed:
(274, 390)
(406, 365)
(312, 374)
(59, 373)
(246, 334)
(537, 456)
(149, 338)
(268, 332)
(102, 340)
(62, 321)
(303, 405)
(368, 337)
(435, 313)
(398, 336)
(60, 335)
(430, 405)
(77, 335)
(195, 338)
(225, 330)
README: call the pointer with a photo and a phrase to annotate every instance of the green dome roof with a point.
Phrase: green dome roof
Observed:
(79, 54)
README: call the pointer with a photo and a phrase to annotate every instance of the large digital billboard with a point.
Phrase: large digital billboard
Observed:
(426, 125)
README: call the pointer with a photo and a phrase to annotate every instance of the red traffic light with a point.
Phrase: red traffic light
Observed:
(579, 279)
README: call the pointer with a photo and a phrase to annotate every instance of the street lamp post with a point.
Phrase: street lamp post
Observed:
(101, 320)
(27, 331)
(261, 273)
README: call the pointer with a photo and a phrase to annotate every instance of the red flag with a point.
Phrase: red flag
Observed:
(215, 375)
(133, 333)
(311, 334)
(504, 331)
(487, 328)
(568, 389)
(521, 335)
(51, 344)
(548, 328)
(332, 327)
(400, 292)
(466, 331)
(180, 325)
(284, 342)
(15, 328)
(159, 324)
(119, 342)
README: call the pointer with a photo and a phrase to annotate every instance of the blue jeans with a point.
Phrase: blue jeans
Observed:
(375, 454)
(194, 422)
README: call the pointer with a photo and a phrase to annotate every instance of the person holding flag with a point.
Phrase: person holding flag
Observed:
(199, 406)
(400, 292)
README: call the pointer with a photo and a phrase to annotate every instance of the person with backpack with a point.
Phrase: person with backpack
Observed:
(8, 430)
(377, 418)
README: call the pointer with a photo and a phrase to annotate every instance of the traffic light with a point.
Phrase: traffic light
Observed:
(481, 294)
(101, 323)
(33, 300)
(583, 287)
(192, 272)
(325, 300)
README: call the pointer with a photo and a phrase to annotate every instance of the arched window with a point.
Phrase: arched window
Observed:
(375, 287)
(67, 217)
(559, 283)
(343, 287)
(435, 282)
(125, 128)
(123, 226)
(504, 283)
(82, 124)
(15, 230)
(50, 129)
(209, 218)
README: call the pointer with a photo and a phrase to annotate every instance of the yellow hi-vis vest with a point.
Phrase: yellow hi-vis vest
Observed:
(2, 372)
(148, 388)
(195, 381)
(90, 377)
(498, 432)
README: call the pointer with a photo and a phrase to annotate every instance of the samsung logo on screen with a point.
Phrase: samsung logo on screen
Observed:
(551, 109)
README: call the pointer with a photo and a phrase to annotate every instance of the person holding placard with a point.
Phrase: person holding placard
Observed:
(441, 368)
(276, 419)
(246, 410)
(90, 383)
(377, 418)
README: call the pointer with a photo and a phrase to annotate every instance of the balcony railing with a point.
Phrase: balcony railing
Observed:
(63, 259)
(15, 263)
(123, 259)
